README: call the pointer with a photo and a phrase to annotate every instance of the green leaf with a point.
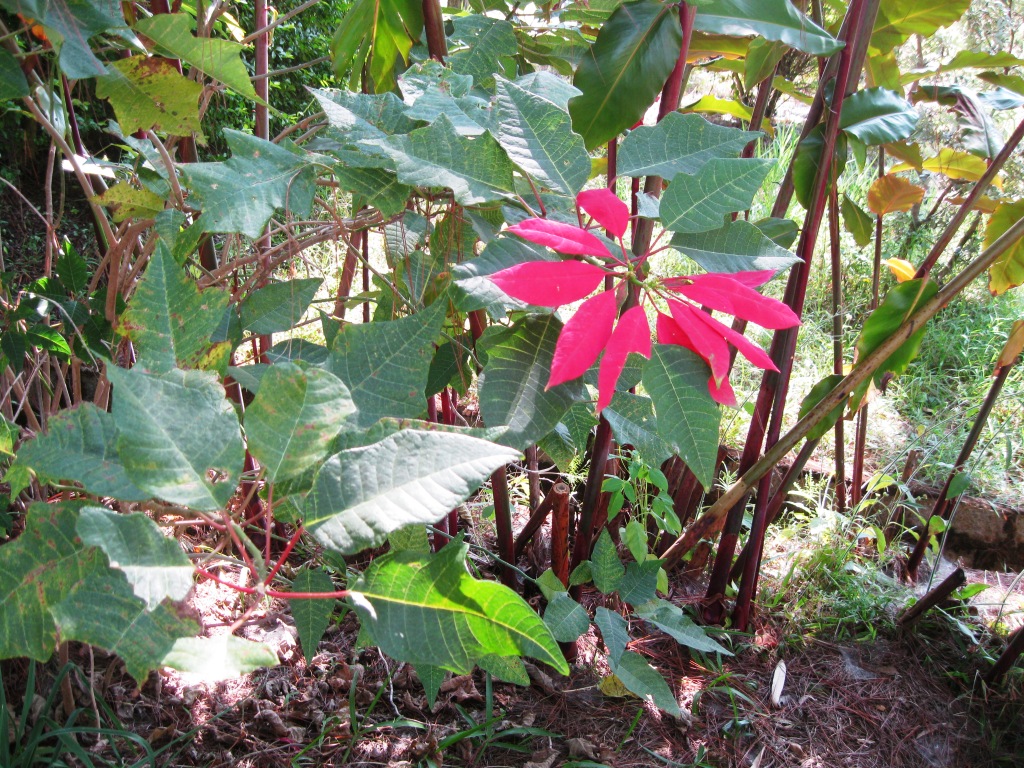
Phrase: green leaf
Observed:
(409, 537)
(294, 417)
(476, 170)
(739, 246)
(176, 429)
(627, 66)
(640, 581)
(512, 385)
(1007, 271)
(671, 620)
(482, 47)
(678, 144)
(432, 678)
(688, 418)
(635, 537)
(538, 137)
(359, 117)
(632, 421)
(473, 290)
(808, 158)
(69, 25)
(80, 445)
(763, 56)
(219, 658)
(375, 35)
(362, 494)
(242, 193)
(550, 585)
(605, 566)
(858, 222)
(614, 632)
(154, 564)
(878, 116)
(644, 680)
(469, 114)
(169, 320)
(127, 202)
(818, 391)
(13, 84)
(700, 202)
(380, 188)
(311, 616)
(9, 432)
(771, 19)
(899, 19)
(566, 618)
(385, 364)
(431, 611)
(150, 93)
(899, 304)
(278, 307)
(219, 59)
(507, 669)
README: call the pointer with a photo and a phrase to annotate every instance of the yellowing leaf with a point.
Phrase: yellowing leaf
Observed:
(958, 166)
(1014, 346)
(612, 687)
(127, 202)
(149, 92)
(1008, 270)
(901, 268)
(891, 193)
(985, 204)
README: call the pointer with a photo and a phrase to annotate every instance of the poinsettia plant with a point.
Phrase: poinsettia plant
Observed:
(600, 324)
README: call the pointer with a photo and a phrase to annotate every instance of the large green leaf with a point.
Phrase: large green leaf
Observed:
(857, 221)
(470, 115)
(169, 320)
(278, 307)
(359, 117)
(606, 568)
(632, 421)
(899, 304)
(294, 417)
(677, 381)
(1007, 271)
(897, 20)
(13, 84)
(431, 611)
(763, 56)
(678, 144)
(671, 620)
(614, 632)
(219, 658)
(219, 59)
(80, 445)
(482, 47)
(566, 618)
(312, 616)
(385, 364)
(808, 158)
(700, 202)
(625, 69)
(777, 20)
(512, 385)
(538, 137)
(149, 92)
(362, 494)
(154, 564)
(242, 193)
(646, 682)
(878, 116)
(377, 33)
(476, 170)
(176, 431)
(739, 246)
(69, 25)
(379, 187)
(473, 290)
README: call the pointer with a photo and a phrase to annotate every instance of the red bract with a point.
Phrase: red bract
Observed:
(549, 283)
(583, 337)
(735, 297)
(632, 334)
(564, 238)
(606, 209)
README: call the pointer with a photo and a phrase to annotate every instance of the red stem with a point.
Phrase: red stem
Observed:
(338, 595)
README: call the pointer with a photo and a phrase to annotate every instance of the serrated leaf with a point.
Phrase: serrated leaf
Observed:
(148, 92)
(170, 320)
(312, 616)
(605, 567)
(278, 307)
(431, 611)
(80, 445)
(219, 658)
(614, 632)
(645, 681)
(678, 144)
(671, 620)
(890, 193)
(219, 59)
(566, 618)
(639, 582)
(512, 385)
(739, 246)
(70, 24)
(857, 221)
(154, 564)
(483, 48)
(687, 417)
(1007, 271)
(700, 202)
(176, 430)
(771, 19)
(362, 494)
(294, 417)
(243, 192)
(627, 66)
(385, 364)
(476, 170)
(878, 116)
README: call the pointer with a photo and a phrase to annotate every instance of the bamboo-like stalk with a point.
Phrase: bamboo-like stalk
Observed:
(837, 344)
(949, 585)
